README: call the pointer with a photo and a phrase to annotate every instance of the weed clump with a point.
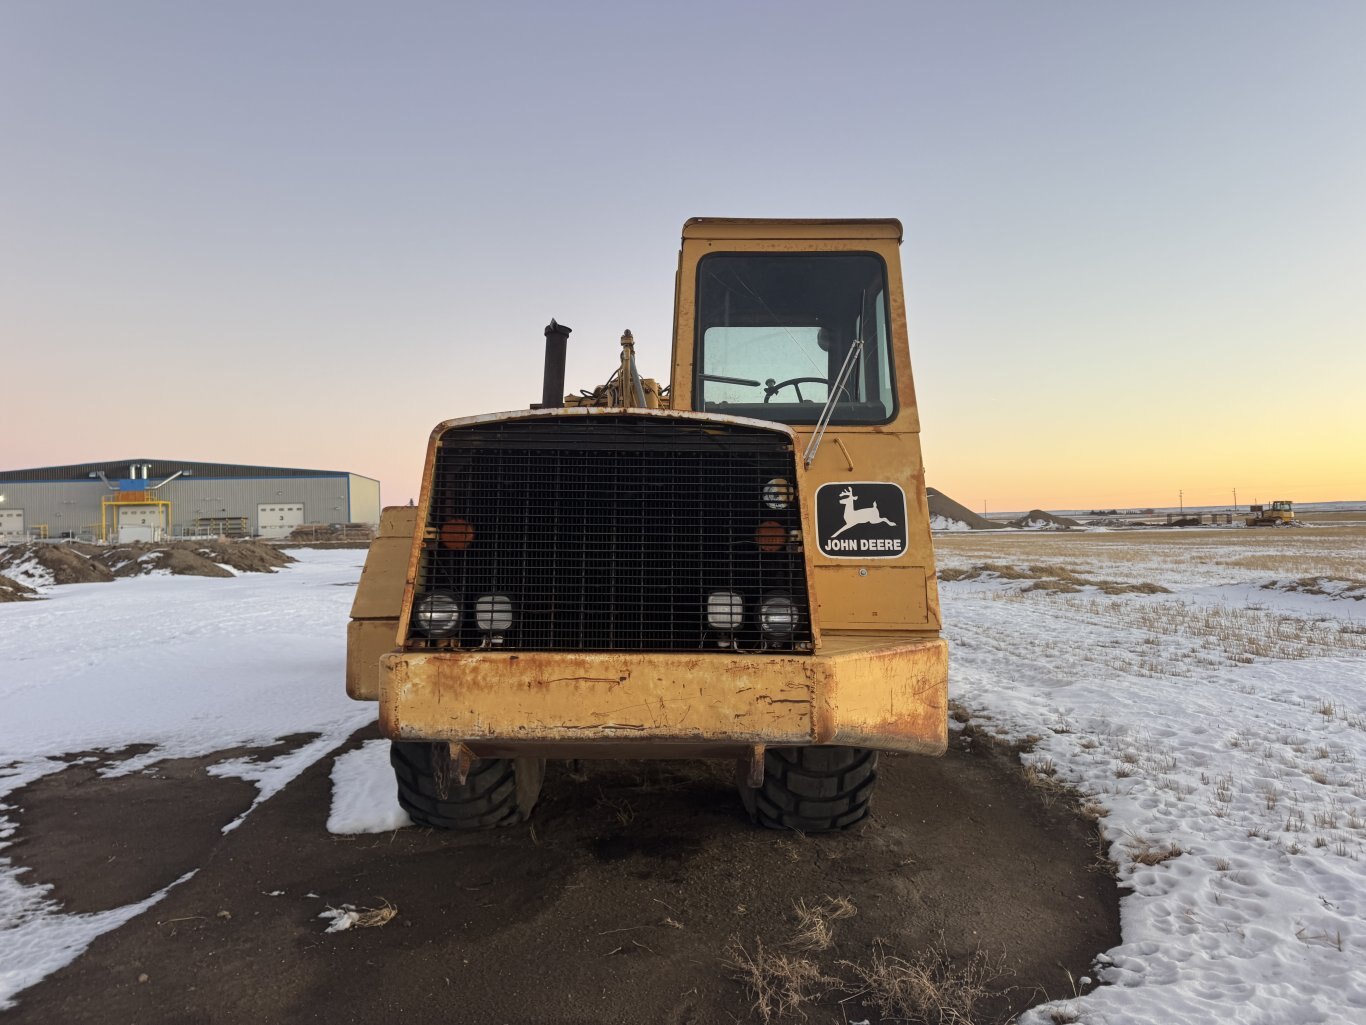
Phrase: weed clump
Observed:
(779, 982)
(930, 987)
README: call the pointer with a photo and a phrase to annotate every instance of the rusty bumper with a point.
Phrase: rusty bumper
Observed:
(858, 690)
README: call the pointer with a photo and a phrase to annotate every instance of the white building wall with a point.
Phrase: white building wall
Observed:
(72, 508)
(364, 500)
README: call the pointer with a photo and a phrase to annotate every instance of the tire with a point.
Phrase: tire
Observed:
(497, 791)
(813, 789)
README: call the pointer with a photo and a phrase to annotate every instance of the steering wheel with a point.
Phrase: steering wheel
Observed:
(771, 389)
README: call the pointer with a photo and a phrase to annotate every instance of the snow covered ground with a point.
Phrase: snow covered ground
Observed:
(187, 664)
(1221, 728)
(1222, 720)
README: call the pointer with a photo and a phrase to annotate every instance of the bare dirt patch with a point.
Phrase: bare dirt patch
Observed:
(1332, 587)
(105, 841)
(1048, 578)
(615, 904)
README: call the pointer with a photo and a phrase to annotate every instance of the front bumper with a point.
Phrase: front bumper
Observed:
(888, 692)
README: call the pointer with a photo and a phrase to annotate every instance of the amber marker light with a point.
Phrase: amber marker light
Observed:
(456, 534)
(771, 536)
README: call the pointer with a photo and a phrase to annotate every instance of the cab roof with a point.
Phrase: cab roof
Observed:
(779, 227)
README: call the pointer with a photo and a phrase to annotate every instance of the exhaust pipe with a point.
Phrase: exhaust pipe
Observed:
(556, 343)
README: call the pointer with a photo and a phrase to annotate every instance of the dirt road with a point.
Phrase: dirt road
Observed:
(615, 905)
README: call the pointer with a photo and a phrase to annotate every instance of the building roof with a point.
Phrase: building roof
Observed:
(158, 469)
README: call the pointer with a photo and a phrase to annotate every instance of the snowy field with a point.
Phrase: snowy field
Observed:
(1220, 726)
(187, 664)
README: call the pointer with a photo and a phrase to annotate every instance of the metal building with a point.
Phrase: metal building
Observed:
(147, 499)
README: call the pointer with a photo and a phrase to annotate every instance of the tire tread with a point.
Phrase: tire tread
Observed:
(815, 789)
(486, 800)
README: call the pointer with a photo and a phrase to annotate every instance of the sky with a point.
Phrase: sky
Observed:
(303, 234)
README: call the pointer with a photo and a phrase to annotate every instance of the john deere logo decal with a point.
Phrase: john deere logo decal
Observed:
(861, 520)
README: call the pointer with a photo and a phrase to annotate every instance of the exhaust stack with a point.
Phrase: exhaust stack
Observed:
(556, 344)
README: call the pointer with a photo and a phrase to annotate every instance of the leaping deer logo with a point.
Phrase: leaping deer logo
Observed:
(853, 517)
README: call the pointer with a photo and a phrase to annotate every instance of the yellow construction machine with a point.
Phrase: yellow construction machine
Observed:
(734, 565)
(1279, 513)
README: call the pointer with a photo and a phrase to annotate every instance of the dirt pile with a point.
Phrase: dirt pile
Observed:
(1038, 519)
(946, 514)
(12, 590)
(179, 561)
(194, 558)
(47, 564)
(332, 532)
(38, 564)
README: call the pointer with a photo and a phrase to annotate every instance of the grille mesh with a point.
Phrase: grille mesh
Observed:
(608, 533)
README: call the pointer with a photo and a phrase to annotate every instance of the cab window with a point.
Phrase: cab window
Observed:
(774, 329)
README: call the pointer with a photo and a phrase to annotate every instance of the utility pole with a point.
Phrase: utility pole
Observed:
(1235, 499)
(1181, 499)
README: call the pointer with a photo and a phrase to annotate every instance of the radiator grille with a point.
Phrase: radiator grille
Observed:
(608, 533)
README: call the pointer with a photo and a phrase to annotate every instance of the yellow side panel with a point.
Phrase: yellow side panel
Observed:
(373, 630)
(397, 521)
(366, 641)
(380, 593)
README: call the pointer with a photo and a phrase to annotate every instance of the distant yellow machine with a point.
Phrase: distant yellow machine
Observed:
(1279, 513)
(737, 564)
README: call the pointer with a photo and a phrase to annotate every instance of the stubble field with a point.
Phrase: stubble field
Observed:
(1205, 689)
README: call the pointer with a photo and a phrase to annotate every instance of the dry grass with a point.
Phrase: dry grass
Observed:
(1041, 775)
(621, 809)
(1145, 852)
(816, 922)
(782, 980)
(781, 984)
(930, 988)
(1203, 635)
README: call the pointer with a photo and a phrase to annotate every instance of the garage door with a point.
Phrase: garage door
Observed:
(140, 523)
(278, 519)
(11, 521)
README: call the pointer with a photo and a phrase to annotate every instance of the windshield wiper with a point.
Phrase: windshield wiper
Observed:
(836, 390)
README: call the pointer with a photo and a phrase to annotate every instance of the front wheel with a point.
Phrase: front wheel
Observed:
(813, 789)
(496, 792)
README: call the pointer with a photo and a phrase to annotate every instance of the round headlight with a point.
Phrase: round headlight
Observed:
(493, 613)
(778, 617)
(725, 610)
(437, 615)
(777, 493)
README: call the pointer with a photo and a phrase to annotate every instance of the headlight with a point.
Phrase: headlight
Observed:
(778, 617)
(493, 613)
(725, 610)
(777, 493)
(437, 615)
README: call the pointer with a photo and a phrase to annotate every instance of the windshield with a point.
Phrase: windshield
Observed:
(774, 329)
